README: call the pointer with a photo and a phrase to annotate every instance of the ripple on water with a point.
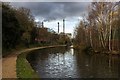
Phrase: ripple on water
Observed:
(61, 63)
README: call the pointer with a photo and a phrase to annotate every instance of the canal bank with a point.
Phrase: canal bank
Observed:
(9, 62)
(66, 62)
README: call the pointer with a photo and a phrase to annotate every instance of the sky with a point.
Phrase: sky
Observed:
(53, 12)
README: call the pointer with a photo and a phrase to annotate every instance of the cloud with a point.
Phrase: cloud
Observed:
(48, 11)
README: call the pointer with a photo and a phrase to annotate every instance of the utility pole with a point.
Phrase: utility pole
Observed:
(63, 26)
(58, 27)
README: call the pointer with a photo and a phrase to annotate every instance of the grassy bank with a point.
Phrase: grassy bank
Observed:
(19, 47)
(6, 52)
(24, 69)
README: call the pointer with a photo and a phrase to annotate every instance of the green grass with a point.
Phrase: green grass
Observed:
(24, 70)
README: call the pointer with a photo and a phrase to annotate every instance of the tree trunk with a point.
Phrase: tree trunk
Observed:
(91, 39)
(110, 39)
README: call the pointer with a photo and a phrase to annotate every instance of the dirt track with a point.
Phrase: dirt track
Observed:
(9, 66)
(9, 63)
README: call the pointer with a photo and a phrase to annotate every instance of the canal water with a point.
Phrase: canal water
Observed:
(63, 62)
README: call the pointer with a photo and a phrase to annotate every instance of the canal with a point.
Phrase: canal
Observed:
(63, 62)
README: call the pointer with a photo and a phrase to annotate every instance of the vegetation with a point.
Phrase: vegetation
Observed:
(100, 29)
(18, 25)
(19, 29)
(24, 70)
(11, 29)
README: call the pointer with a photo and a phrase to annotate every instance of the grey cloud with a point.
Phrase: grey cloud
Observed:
(54, 10)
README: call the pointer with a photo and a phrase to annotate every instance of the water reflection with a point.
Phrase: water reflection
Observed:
(65, 63)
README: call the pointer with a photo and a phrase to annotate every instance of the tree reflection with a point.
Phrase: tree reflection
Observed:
(64, 62)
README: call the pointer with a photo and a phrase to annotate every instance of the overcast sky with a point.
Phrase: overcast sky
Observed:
(53, 12)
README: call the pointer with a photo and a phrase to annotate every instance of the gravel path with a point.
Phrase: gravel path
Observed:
(9, 62)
